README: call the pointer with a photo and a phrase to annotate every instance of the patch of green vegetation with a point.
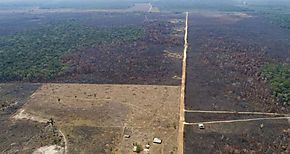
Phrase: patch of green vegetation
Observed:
(36, 55)
(279, 77)
(139, 147)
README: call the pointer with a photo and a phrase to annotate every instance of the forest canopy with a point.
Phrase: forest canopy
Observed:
(36, 55)
(279, 78)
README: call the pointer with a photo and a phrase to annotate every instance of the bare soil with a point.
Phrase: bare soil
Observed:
(94, 139)
(99, 116)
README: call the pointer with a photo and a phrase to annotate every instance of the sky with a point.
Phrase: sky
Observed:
(127, 3)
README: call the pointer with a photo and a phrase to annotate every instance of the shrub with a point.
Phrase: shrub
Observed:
(279, 78)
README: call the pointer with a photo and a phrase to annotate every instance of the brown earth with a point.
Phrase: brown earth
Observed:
(98, 116)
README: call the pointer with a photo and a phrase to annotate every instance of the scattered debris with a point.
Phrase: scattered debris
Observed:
(262, 126)
(172, 54)
(284, 147)
(147, 146)
(176, 77)
(6, 105)
(135, 148)
(157, 141)
(23, 115)
(53, 149)
(201, 126)
(50, 122)
(222, 137)
(146, 150)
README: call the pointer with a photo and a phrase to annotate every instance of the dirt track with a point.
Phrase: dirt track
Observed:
(83, 113)
(218, 89)
(182, 93)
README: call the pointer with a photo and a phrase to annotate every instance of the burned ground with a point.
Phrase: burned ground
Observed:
(124, 63)
(148, 50)
(226, 53)
(98, 116)
(225, 57)
(242, 137)
(22, 136)
(225, 60)
(14, 95)
(12, 23)
(145, 61)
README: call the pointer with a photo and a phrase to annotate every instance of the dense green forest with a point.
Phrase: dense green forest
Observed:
(279, 79)
(35, 55)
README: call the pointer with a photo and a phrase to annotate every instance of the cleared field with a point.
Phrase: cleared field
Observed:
(98, 116)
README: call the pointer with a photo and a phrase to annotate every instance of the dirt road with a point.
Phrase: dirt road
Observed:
(195, 107)
(182, 98)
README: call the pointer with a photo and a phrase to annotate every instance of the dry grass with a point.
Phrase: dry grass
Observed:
(142, 111)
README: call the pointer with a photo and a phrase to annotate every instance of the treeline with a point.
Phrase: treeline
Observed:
(276, 11)
(35, 55)
(187, 5)
(279, 78)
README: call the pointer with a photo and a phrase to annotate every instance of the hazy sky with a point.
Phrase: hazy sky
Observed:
(126, 3)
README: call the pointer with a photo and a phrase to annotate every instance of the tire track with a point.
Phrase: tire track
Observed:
(241, 120)
(233, 112)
